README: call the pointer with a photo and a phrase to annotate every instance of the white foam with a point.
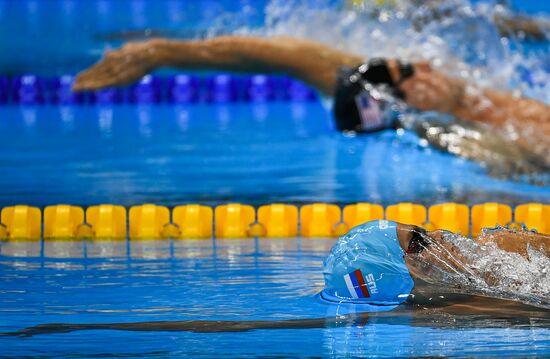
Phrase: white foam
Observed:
(465, 42)
(505, 274)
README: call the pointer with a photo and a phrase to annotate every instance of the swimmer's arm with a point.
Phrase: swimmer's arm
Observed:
(197, 326)
(517, 241)
(312, 62)
(316, 64)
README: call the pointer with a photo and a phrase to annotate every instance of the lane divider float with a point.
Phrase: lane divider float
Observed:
(235, 220)
(31, 89)
(487, 214)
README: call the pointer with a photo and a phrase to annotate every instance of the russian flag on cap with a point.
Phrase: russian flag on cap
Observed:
(356, 284)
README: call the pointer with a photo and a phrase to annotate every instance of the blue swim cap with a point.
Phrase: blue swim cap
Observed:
(366, 266)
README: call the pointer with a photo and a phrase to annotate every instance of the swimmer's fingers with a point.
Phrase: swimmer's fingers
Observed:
(120, 67)
(109, 72)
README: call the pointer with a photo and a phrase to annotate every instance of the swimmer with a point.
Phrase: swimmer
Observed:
(359, 87)
(379, 262)
(383, 269)
(420, 85)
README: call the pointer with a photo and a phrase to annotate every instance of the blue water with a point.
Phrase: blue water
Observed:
(72, 34)
(205, 153)
(100, 282)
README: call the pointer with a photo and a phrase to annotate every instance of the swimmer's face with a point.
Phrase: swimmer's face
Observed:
(411, 237)
(414, 239)
(433, 256)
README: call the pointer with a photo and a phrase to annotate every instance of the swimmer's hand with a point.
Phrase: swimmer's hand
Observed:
(119, 67)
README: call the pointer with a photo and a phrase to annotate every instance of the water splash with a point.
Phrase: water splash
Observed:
(458, 37)
(481, 267)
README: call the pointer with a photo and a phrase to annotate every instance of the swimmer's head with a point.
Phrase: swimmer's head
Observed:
(366, 266)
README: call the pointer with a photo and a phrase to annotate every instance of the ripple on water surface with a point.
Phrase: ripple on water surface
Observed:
(272, 279)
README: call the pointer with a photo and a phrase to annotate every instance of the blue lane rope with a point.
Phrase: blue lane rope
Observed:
(183, 88)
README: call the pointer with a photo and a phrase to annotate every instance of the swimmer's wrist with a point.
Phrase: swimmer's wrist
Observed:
(158, 52)
(173, 53)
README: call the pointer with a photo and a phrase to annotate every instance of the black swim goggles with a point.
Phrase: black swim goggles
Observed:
(419, 240)
(361, 98)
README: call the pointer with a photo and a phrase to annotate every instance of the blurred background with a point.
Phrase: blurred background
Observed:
(243, 138)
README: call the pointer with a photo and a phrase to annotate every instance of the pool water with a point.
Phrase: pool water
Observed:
(276, 279)
(212, 153)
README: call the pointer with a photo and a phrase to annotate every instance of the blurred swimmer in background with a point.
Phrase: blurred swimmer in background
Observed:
(393, 273)
(367, 94)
